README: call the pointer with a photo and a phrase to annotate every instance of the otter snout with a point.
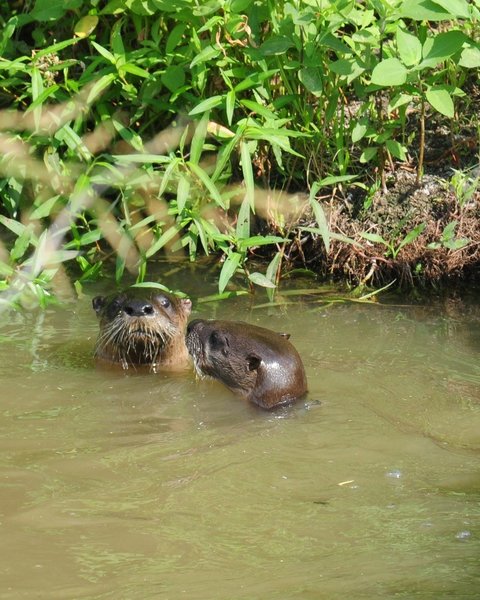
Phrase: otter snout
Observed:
(138, 308)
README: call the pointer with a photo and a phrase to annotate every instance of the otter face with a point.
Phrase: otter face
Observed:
(215, 354)
(138, 328)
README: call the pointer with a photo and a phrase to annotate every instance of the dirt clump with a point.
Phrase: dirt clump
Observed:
(414, 234)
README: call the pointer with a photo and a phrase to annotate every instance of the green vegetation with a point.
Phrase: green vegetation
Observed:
(133, 127)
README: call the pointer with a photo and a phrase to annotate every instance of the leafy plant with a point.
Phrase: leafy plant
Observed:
(393, 247)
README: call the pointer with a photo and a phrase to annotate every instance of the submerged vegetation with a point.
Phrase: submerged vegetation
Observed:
(337, 135)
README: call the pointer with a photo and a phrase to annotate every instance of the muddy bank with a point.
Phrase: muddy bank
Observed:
(417, 235)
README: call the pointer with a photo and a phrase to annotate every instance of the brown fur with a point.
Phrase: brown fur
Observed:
(142, 327)
(255, 363)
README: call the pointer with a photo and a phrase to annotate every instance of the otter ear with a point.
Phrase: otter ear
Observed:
(98, 303)
(285, 335)
(253, 362)
(187, 303)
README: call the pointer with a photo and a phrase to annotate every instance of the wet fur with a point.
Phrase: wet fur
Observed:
(255, 363)
(156, 340)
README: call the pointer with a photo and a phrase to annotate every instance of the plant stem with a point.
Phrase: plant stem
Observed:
(422, 139)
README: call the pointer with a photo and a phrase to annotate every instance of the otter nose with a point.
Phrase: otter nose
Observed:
(138, 308)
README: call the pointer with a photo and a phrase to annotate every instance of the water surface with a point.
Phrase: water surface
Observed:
(123, 485)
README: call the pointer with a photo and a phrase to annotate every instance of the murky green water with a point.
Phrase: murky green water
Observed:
(157, 486)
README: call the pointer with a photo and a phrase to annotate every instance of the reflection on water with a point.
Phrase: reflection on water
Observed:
(158, 486)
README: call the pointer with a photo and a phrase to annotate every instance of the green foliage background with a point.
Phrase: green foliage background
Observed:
(161, 107)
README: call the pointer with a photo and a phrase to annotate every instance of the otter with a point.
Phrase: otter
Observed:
(253, 362)
(142, 327)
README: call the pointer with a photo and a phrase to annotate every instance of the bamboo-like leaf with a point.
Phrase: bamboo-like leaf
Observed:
(322, 223)
(164, 239)
(247, 174)
(260, 279)
(208, 183)
(104, 52)
(206, 105)
(243, 220)
(198, 139)
(229, 269)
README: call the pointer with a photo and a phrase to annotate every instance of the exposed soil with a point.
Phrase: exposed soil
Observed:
(447, 248)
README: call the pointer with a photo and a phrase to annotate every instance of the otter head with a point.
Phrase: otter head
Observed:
(142, 327)
(216, 355)
(254, 362)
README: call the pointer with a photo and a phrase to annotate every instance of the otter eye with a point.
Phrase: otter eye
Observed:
(164, 301)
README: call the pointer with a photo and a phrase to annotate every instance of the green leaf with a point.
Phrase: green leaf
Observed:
(243, 220)
(275, 45)
(441, 101)
(470, 57)
(259, 240)
(260, 279)
(55, 48)
(257, 108)
(409, 47)
(99, 86)
(389, 72)
(175, 37)
(21, 245)
(198, 139)
(205, 55)
(334, 179)
(374, 237)
(173, 78)
(85, 26)
(183, 190)
(229, 269)
(15, 226)
(449, 231)
(368, 154)
(104, 52)
(396, 149)
(208, 183)
(49, 10)
(49, 91)
(166, 237)
(443, 46)
(133, 70)
(206, 105)
(410, 237)
(45, 208)
(359, 131)
(312, 80)
(247, 174)
(423, 10)
(322, 223)
(230, 105)
(456, 8)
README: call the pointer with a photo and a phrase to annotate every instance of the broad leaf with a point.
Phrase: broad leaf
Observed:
(441, 100)
(389, 72)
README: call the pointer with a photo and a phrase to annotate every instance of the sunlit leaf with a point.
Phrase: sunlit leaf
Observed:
(441, 100)
(229, 269)
(389, 72)
(260, 279)
(85, 26)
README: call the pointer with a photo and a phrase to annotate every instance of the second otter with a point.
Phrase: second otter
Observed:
(142, 327)
(256, 363)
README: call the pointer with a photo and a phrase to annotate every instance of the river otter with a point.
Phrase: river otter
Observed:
(256, 363)
(142, 327)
